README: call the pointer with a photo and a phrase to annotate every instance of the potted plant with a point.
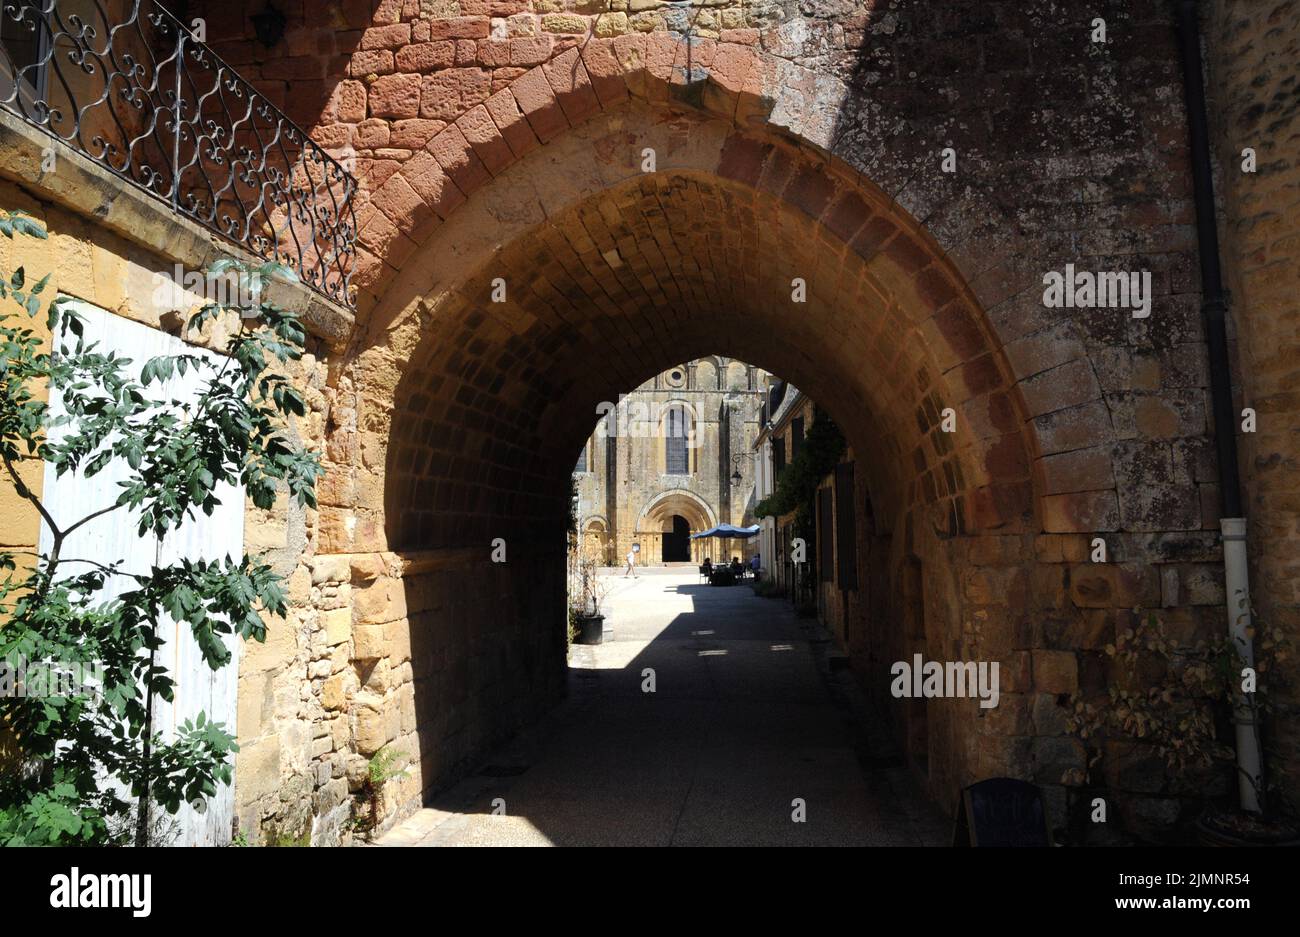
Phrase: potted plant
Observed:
(1175, 700)
(586, 594)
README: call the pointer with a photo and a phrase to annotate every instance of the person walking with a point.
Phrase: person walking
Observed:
(631, 565)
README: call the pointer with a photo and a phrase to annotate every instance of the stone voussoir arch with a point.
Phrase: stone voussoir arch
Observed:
(474, 410)
(741, 84)
(452, 262)
(669, 498)
(460, 418)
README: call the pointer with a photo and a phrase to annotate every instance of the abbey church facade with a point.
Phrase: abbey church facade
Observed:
(668, 460)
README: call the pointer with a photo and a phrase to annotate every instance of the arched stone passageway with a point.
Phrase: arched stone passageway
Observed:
(675, 544)
(508, 290)
(715, 249)
(470, 410)
(556, 200)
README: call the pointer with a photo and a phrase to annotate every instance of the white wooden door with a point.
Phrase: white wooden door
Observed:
(114, 538)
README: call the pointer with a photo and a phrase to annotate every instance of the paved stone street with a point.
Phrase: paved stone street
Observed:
(746, 716)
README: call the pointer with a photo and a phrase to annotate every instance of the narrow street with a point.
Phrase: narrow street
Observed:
(745, 719)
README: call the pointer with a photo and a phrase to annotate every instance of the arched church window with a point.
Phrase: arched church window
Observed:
(677, 428)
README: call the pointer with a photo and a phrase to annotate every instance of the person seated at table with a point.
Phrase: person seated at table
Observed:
(707, 567)
(736, 569)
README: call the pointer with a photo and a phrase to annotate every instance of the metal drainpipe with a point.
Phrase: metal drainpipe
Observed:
(1232, 520)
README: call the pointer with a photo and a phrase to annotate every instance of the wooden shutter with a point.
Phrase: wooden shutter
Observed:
(846, 533)
(114, 537)
(825, 535)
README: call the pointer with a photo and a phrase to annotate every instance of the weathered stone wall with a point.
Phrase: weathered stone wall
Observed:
(1045, 611)
(506, 139)
(109, 246)
(1253, 59)
(420, 654)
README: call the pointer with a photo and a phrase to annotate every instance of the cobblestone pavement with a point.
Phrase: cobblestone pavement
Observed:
(746, 718)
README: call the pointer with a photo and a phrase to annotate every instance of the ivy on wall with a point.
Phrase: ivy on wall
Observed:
(797, 485)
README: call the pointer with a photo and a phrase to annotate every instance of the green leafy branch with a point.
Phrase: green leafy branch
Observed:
(235, 429)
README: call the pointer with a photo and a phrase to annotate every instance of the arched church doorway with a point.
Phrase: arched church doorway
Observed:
(677, 541)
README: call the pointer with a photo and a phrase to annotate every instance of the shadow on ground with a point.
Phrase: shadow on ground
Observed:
(745, 719)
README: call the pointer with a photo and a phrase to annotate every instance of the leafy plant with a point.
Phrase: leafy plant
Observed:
(796, 486)
(387, 764)
(288, 840)
(574, 627)
(586, 591)
(1173, 698)
(164, 829)
(78, 754)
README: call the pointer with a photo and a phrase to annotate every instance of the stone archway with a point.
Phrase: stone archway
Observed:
(496, 329)
(657, 516)
(595, 543)
(813, 143)
(923, 348)
(485, 418)
(676, 544)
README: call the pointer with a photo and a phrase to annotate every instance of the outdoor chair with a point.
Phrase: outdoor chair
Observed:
(1001, 812)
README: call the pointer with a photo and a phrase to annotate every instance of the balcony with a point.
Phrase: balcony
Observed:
(126, 84)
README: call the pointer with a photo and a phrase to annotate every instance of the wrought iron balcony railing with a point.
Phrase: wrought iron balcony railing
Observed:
(128, 85)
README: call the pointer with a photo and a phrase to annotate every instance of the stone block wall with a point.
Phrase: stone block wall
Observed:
(109, 246)
(430, 656)
(1253, 62)
(506, 139)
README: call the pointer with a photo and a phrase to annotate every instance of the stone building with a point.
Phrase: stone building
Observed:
(786, 413)
(670, 459)
(840, 578)
(539, 202)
